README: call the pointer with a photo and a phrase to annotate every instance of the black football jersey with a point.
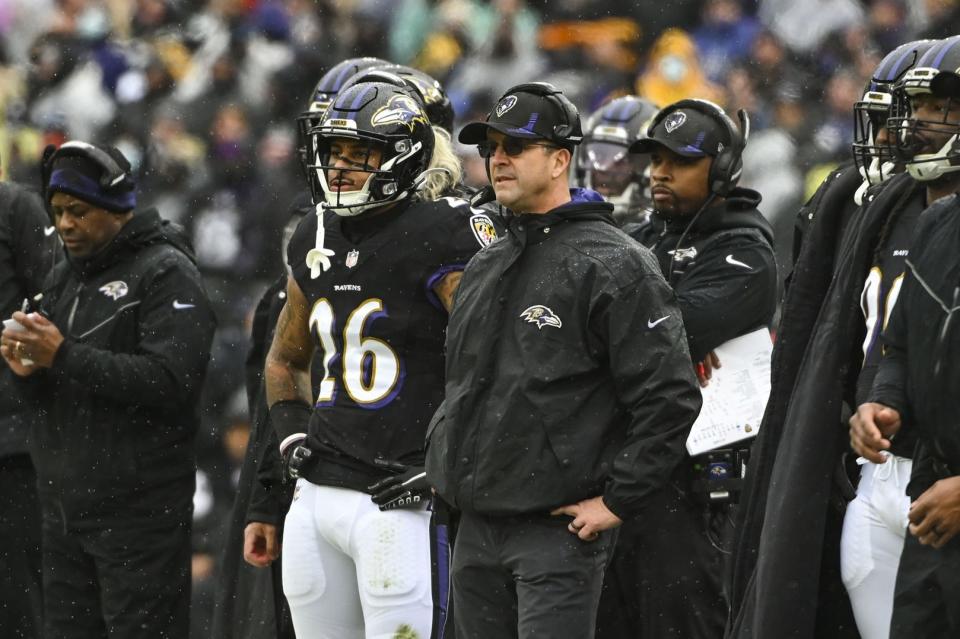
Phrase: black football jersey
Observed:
(882, 287)
(379, 330)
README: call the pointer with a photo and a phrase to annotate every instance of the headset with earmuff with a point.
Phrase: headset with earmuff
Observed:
(567, 133)
(113, 176)
(728, 163)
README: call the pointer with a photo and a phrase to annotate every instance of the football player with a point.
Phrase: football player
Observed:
(373, 274)
(844, 284)
(914, 305)
(875, 522)
(604, 164)
(262, 499)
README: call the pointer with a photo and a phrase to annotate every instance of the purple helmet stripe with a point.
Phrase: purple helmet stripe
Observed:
(949, 44)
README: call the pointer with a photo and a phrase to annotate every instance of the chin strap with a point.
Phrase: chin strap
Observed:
(876, 173)
(318, 258)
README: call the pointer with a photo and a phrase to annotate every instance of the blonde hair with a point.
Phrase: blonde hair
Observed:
(439, 182)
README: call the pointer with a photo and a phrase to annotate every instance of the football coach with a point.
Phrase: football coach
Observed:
(116, 354)
(569, 389)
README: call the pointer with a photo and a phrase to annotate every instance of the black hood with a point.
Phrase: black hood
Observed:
(144, 229)
(737, 210)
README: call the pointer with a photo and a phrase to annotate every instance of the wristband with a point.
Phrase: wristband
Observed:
(290, 418)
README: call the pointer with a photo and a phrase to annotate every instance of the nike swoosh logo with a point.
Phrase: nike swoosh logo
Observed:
(730, 260)
(48, 230)
(652, 324)
(178, 306)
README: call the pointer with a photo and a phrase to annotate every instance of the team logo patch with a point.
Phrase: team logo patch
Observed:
(352, 258)
(541, 316)
(401, 109)
(506, 104)
(680, 255)
(674, 121)
(483, 229)
(114, 290)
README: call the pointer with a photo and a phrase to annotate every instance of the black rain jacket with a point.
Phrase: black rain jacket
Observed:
(787, 529)
(920, 371)
(723, 271)
(28, 248)
(121, 398)
(568, 375)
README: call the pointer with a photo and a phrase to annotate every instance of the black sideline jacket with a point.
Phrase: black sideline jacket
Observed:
(28, 248)
(121, 396)
(567, 374)
(723, 271)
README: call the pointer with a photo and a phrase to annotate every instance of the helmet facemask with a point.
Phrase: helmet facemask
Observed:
(622, 178)
(873, 146)
(370, 119)
(930, 146)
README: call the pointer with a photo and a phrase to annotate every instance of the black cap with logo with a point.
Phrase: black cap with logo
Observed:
(688, 132)
(535, 110)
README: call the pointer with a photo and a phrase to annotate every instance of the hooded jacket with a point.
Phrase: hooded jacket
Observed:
(722, 269)
(120, 399)
(28, 248)
(567, 372)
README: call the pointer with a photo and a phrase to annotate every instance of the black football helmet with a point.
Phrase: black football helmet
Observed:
(435, 100)
(876, 158)
(323, 94)
(383, 116)
(603, 161)
(935, 74)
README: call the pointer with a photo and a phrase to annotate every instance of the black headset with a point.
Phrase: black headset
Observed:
(112, 178)
(728, 164)
(569, 132)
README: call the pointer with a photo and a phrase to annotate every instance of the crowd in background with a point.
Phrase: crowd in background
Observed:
(201, 96)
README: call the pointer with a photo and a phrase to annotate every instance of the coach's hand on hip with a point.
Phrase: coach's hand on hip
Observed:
(590, 518)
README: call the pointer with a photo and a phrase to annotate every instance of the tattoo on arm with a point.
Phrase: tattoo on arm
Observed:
(287, 369)
(447, 287)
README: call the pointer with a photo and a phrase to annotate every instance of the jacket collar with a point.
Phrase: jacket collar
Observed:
(584, 205)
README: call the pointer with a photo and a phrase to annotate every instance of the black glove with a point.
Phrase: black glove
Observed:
(295, 460)
(289, 419)
(407, 489)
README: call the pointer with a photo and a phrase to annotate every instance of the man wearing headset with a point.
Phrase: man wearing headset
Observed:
(569, 390)
(716, 251)
(116, 352)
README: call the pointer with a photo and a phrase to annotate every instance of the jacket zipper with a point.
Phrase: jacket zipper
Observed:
(73, 309)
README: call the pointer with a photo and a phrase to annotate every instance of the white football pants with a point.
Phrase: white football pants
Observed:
(874, 529)
(353, 572)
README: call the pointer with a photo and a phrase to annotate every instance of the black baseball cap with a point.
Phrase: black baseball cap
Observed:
(685, 131)
(522, 113)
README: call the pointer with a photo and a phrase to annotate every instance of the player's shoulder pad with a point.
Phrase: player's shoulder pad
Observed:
(459, 212)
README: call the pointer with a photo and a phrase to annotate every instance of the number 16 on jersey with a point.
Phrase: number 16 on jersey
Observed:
(370, 369)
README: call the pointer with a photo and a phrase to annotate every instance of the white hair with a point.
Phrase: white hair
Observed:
(444, 171)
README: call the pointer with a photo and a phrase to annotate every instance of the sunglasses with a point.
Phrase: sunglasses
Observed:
(511, 146)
